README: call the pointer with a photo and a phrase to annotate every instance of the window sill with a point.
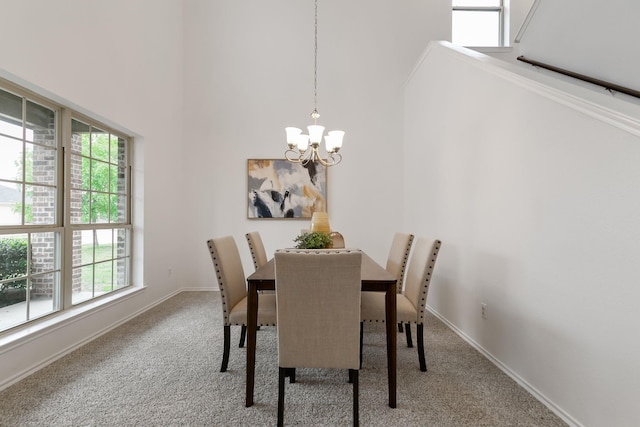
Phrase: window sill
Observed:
(491, 49)
(31, 331)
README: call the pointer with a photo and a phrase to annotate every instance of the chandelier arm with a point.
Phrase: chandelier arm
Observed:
(297, 159)
(323, 161)
(335, 162)
(331, 159)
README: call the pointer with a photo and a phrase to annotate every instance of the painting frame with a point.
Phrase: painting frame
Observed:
(280, 189)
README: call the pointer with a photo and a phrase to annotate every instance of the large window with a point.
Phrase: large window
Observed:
(478, 23)
(65, 230)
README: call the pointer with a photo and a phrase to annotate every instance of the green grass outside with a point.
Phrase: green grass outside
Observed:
(103, 277)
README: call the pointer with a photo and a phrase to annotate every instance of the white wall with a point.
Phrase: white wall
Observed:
(591, 37)
(121, 61)
(536, 214)
(250, 74)
(534, 193)
(245, 70)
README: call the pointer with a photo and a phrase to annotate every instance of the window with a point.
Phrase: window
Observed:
(65, 230)
(478, 23)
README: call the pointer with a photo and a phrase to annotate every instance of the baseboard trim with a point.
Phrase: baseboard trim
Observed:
(504, 368)
(199, 290)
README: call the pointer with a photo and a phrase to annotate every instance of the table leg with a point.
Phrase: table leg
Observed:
(391, 322)
(252, 325)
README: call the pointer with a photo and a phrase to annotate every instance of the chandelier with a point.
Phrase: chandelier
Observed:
(303, 148)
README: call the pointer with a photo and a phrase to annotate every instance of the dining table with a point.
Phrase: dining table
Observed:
(374, 279)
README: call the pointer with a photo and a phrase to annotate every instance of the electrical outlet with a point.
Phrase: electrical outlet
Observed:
(170, 272)
(483, 310)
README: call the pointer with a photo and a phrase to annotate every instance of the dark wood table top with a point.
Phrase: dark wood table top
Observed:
(374, 276)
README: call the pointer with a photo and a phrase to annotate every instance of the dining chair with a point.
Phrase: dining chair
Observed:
(398, 257)
(412, 302)
(397, 260)
(337, 240)
(258, 253)
(318, 310)
(231, 280)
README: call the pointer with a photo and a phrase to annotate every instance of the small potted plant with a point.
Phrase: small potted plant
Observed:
(313, 240)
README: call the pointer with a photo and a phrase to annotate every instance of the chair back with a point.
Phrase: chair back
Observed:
(258, 254)
(318, 305)
(337, 240)
(229, 272)
(423, 260)
(398, 256)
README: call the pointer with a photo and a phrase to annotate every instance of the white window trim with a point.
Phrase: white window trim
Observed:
(502, 34)
(66, 310)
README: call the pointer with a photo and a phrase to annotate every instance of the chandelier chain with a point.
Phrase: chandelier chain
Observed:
(304, 148)
(315, 65)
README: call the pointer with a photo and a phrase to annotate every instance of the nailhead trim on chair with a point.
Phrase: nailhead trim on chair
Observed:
(422, 308)
(404, 263)
(220, 283)
(425, 288)
(253, 251)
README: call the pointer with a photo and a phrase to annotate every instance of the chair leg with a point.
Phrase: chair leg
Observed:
(291, 373)
(400, 328)
(353, 374)
(243, 334)
(361, 339)
(420, 338)
(226, 348)
(281, 375)
(407, 329)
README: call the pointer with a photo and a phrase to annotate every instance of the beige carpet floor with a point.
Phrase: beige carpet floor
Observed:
(162, 369)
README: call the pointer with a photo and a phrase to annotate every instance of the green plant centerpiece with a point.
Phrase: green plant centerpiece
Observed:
(313, 240)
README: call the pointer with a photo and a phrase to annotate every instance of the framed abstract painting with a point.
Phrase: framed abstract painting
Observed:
(278, 188)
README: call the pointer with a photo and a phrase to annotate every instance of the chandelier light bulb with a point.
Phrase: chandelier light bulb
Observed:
(303, 142)
(292, 136)
(333, 140)
(315, 133)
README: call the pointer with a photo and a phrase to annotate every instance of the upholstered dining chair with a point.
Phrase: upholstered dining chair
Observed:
(398, 256)
(337, 240)
(318, 306)
(412, 302)
(231, 280)
(397, 260)
(258, 254)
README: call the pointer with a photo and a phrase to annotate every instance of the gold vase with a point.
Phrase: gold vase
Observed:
(320, 222)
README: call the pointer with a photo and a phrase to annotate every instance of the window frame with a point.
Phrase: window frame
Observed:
(72, 227)
(501, 21)
(63, 229)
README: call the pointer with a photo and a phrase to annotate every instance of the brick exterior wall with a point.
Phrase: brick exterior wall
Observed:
(44, 210)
